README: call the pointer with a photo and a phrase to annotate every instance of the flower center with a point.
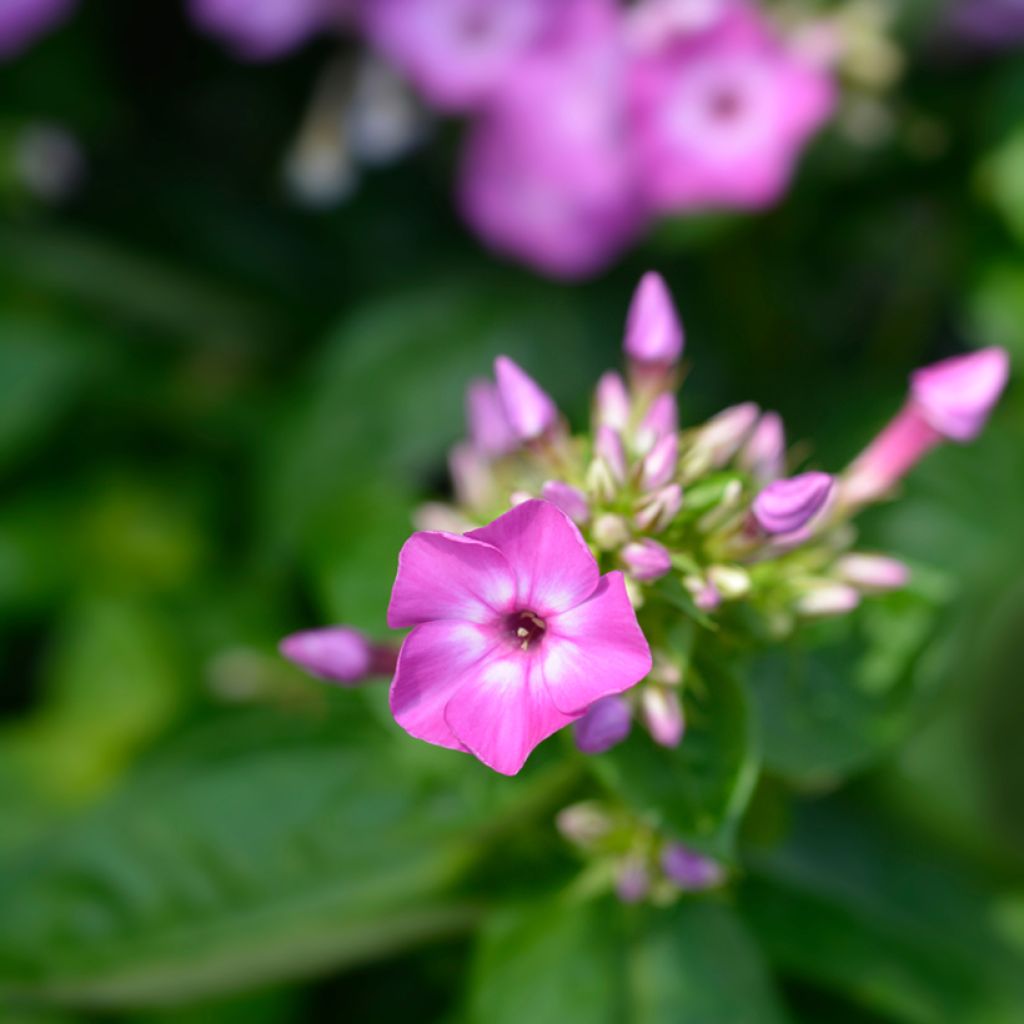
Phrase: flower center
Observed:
(526, 629)
(725, 104)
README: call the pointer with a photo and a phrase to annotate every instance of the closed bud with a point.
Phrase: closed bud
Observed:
(875, 573)
(489, 430)
(659, 466)
(654, 333)
(730, 581)
(722, 436)
(608, 446)
(530, 411)
(705, 594)
(659, 509)
(633, 880)
(472, 477)
(662, 715)
(786, 506)
(571, 500)
(646, 560)
(764, 454)
(825, 599)
(606, 724)
(690, 870)
(584, 824)
(611, 402)
(601, 482)
(610, 532)
(661, 418)
(338, 654)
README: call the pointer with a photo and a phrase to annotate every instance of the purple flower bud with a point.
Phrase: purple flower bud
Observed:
(660, 464)
(705, 594)
(690, 870)
(724, 434)
(826, 599)
(662, 418)
(956, 396)
(529, 410)
(338, 654)
(608, 447)
(489, 429)
(261, 31)
(872, 572)
(659, 509)
(787, 505)
(605, 725)
(764, 454)
(662, 714)
(654, 333)
(633, 882)
(24, 21)
(611, 402)
(572, 501)
(646, 560)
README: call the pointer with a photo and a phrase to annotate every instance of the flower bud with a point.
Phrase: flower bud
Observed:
(633, 881)
(472, 476)
(690, 870)
(584, 824)
(654, 334)
(788, 505)
(872, 572)
(611, 402)
(661, 418)
(764, 454)
(730, 581)
(601, 482)
(571, 500)
(659, 466)
(646, 560)
(530, 411)
(489, 429)
(338, 654)
(722, 436)
(610, 531)
(609, 448)
(659, 509)
(705, 594)
(606, 724)
(662, 715)
(825, 599)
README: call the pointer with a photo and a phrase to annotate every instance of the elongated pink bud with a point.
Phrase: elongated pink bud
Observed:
(605, 725)
(608, 446)
(659, 509)
(572, 501)
(827, 599)
(764, 454)
(472, 476)
(660, 464)
(787, 505)
(690, 870)
(654, 333)
(489, 428)
(530, 410)
(662, 715)
(662, 418)
(646, 560)
(723, 435)
(611, 402)
(872, 572)
(338, 654)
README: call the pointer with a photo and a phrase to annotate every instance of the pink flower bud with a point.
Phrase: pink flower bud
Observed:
(572, 501)
(489, 429)
(633, 882)
(611, 402)
(654, 333)
(584, 824)
(956, 395)
(826, 599)
(872, 572)
(705, 594)
(338, 654)
(662, 418)
(646, 560)
(660, 464)
(690, 870)
(659, 509)
(724, 434)
(764, 454)
(662, 715)
(610, 531)
(787, 505)
(530, 411)
(605, 725)
(472, 476)
(608, 447)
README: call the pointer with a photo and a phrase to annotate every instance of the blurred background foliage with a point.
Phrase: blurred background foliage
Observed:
(217, 411)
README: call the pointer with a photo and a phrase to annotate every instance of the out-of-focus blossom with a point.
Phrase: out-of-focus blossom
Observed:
(662, 714)
(24, 21)
(605, 725)
(654, 332)
(995, 24)
(546, 176)
(633, 881)
(515, 635)
(659, 509)
(529, 410)
(722, 436)
(786, 506)
(690, 870)
(611, 402)
(660, 465)
(720, 112)
(265, 29)
(821, 600)
(872, 572)
(950, 400)
(457, 52)
(764, 454)
(339, 654)
(646, 560)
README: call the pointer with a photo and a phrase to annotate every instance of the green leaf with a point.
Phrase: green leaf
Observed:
(600, 963)
(839, 697)
(263, 849)
(699, 790)
(849, 904)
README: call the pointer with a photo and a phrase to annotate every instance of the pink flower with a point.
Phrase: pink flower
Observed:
(264, 29)
(338, 654)
(24, 21)
(515, 635)
(654, 332)
(529, 410)
(646, 560)
(789, 505)
(546, 175)
(950, 400)
(456, 52)
(720, 111)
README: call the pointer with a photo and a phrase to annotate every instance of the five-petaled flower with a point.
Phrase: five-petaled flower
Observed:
(515, 634)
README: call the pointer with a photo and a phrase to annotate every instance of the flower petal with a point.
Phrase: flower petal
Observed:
(437, 659)
(504, 712)
(594, 649)
(553, 566)
(445, 576)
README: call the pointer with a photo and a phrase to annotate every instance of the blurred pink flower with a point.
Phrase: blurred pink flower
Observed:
(720, 107)
(23, 21)
(265, 29)
(339, 654)
(456, 52)
(546, 176)
(515, 635)
(785, 506)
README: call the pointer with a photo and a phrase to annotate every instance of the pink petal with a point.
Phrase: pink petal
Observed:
(594, 649)
(445, 576)
(504, 712)
(553, 566)
(437, 659)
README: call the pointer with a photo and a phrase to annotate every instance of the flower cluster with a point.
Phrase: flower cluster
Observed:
(550, 592)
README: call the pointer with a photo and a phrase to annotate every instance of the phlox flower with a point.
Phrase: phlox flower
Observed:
(515, 634)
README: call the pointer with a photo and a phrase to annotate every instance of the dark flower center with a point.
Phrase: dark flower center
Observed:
(526, 629)
(725, 104)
